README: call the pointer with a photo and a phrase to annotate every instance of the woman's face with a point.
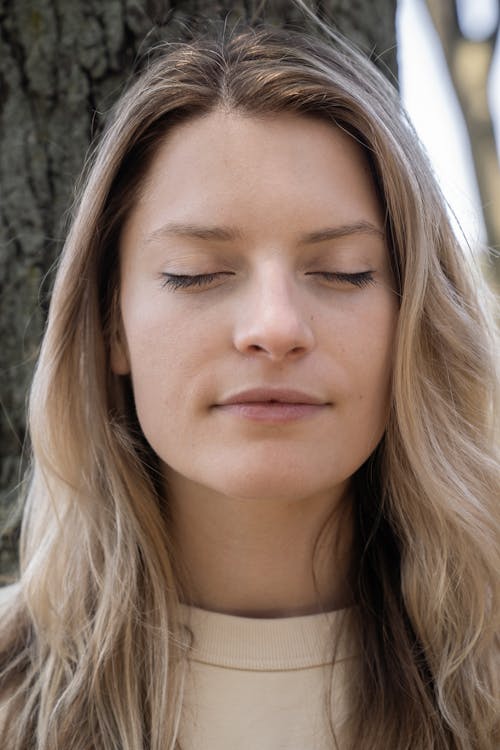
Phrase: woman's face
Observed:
(258, 307)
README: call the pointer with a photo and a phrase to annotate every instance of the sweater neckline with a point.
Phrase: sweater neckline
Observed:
(267, 644)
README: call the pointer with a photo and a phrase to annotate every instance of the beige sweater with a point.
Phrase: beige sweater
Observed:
(262, 684)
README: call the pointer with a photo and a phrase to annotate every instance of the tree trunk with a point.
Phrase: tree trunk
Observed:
(62, 65)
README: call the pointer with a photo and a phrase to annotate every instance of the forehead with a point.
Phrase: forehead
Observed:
(282, 169)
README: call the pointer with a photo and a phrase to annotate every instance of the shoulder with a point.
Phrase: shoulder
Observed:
(10, 606)
(8, 594)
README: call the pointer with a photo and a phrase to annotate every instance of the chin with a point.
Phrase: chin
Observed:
(273, 485)
(260, 475)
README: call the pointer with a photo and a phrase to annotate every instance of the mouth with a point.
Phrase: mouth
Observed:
(273, 396)
(273, 405)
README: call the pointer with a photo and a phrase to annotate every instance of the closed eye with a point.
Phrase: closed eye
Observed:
(183, 281)
(363, 278)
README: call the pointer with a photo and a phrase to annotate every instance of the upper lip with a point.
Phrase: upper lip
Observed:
(281, 395)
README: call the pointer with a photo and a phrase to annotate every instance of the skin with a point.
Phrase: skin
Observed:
(250, 496)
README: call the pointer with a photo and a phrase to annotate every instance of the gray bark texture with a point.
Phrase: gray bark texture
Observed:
(63, 63)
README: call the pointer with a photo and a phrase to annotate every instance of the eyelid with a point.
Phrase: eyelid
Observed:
(185, 281)
(182, 280)
(359, 278)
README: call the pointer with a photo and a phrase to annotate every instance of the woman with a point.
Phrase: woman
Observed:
(264, 502)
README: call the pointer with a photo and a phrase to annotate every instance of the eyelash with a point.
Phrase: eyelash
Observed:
(363, 278)
(182, 281)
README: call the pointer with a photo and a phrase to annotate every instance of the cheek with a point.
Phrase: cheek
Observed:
(369, 353)
(159, 337)
(366, 332)
(168, 350)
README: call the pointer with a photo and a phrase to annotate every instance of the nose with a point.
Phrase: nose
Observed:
(273, 322)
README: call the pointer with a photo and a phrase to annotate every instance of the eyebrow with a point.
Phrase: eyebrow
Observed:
(230, 234)
(343, 230)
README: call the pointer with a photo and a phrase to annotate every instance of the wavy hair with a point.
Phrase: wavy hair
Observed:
(91, 647)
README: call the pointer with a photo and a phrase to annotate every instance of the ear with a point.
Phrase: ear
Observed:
(119, 355)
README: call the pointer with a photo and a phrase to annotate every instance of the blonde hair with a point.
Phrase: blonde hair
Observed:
(91, 650)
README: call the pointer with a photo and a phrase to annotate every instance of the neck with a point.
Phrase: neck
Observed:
(260, 557)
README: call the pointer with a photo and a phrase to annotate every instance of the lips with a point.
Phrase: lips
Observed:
(273, 395)
(272, 406)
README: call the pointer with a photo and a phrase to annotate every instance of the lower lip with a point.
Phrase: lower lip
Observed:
(266, 411)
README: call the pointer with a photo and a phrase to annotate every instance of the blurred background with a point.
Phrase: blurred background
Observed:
(449, 75)
(63, 63)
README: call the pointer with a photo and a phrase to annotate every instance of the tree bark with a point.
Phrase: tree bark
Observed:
(63, 63)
